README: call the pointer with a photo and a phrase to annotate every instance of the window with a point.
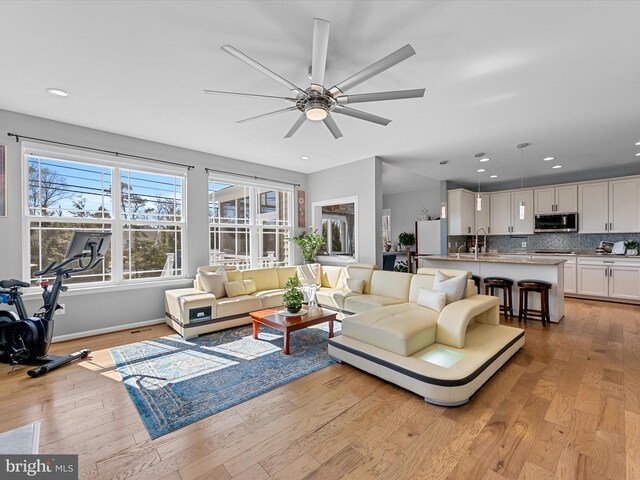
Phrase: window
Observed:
(337, 229)
(249, 225)
(142, 207)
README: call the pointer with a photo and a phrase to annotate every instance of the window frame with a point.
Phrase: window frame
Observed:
(116, 221)
(255, 219)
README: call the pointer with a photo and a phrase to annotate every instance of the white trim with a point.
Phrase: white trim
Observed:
(336, 201)
(248, 182)
(101, 331)
(34, 293)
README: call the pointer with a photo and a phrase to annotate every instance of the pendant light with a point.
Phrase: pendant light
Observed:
(478, 196)
(522, 206)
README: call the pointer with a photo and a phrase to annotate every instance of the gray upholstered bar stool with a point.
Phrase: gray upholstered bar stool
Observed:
(506, 285)
(524, 312)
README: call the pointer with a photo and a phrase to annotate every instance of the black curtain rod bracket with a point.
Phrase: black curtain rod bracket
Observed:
(99, 150)
(250, 176)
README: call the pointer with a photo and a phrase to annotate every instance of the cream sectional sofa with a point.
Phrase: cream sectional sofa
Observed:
(443, 356)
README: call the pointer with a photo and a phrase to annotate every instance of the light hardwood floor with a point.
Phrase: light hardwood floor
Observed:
(566, 406)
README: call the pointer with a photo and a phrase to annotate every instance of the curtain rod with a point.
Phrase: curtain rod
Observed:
(250, 176)
(99, 150)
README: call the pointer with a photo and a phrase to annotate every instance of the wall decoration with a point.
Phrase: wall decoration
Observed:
(3, 180)
(301, 209)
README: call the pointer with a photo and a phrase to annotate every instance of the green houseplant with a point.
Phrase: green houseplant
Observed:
(632, 247)
(407, 239)
(309, 244)
(293, 297)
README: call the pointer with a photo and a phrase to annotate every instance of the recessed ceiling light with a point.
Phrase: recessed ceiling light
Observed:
(304, 157)
(546, 159)
(481, 170)
(637, 143)
(493, 176)
(485, 159)
(557, 166)
(56, 92)
(638, 154)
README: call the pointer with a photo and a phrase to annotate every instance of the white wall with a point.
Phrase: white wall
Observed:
(406, 208)
(112, 307)
(364, 180)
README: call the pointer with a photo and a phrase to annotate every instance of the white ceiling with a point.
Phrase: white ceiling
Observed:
(564, 76)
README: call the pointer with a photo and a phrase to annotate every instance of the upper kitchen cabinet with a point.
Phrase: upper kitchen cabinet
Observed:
(624, 214)
(593, 211)
(611, 206)
(461, 212)
(505, 213)
(483, 216)
(560, 199)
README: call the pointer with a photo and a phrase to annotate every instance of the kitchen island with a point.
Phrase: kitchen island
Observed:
(515, 267)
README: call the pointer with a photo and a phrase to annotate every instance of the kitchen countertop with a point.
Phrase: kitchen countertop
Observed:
(498, 258)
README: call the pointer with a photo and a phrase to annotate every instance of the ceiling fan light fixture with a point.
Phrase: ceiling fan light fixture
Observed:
(316, 114)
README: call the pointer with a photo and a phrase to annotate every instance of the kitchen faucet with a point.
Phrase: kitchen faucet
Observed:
(475, 253)
(461, 246)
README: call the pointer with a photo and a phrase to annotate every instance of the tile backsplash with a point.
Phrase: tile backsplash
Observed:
(542, 241)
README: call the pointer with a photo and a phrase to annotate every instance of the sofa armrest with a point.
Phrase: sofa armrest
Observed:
(187, 305)
(455, 317)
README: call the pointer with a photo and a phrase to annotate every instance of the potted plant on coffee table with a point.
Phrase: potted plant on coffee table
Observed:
(293, 297)
(309, 244)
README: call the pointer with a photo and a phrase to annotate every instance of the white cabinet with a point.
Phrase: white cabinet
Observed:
(505, 213)
(570, 277)
(500, 209)
(612, 206)
(619, 278)
(461, 212)
(593, 210)
(522, 225)
(561, 199)
(624, 214)
(483, 217)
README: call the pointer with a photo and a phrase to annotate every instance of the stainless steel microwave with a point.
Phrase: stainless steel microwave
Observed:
(556, 222)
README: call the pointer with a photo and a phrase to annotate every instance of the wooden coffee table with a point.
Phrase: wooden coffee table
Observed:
(286, 325)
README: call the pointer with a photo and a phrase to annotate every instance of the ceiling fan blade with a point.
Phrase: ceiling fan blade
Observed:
(251, 95)
(380, 96)
(373, 70)
(369, 117)
(333, 128)
(319, 54)
(289, 109)
(296, 126)
(261, 68)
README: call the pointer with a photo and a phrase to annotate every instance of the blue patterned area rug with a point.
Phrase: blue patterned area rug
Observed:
(174, 382)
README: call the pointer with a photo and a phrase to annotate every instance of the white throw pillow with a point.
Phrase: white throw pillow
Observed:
(433, 300)
(213, 282)
(235, 289)
(249, 286)
(354, 285)
(453, 287)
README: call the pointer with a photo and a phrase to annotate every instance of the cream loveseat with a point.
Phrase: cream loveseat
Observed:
(443, 356)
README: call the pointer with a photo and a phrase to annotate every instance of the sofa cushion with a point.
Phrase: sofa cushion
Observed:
(265, 278)
(213, 282)
(359, 271)
(453, 287)
(310, 274)
(432, 299)
(235, 289)
(285, 273)
(361, 303)
(238, 305)
(403, 329)
(333, 297)
(271, 298)
(391, 284)
(331, 276)
(249, 286)
(353, 285)
(235, 276)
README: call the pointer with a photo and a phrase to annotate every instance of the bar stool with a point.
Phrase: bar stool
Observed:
(542, 288)
(504, 284)
(476, 280)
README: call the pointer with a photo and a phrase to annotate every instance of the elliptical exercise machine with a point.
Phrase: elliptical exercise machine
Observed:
(26, 340)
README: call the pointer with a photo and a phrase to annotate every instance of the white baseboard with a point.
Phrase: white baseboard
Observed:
(100, 331)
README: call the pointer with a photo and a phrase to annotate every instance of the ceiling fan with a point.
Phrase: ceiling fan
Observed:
(318, 103)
